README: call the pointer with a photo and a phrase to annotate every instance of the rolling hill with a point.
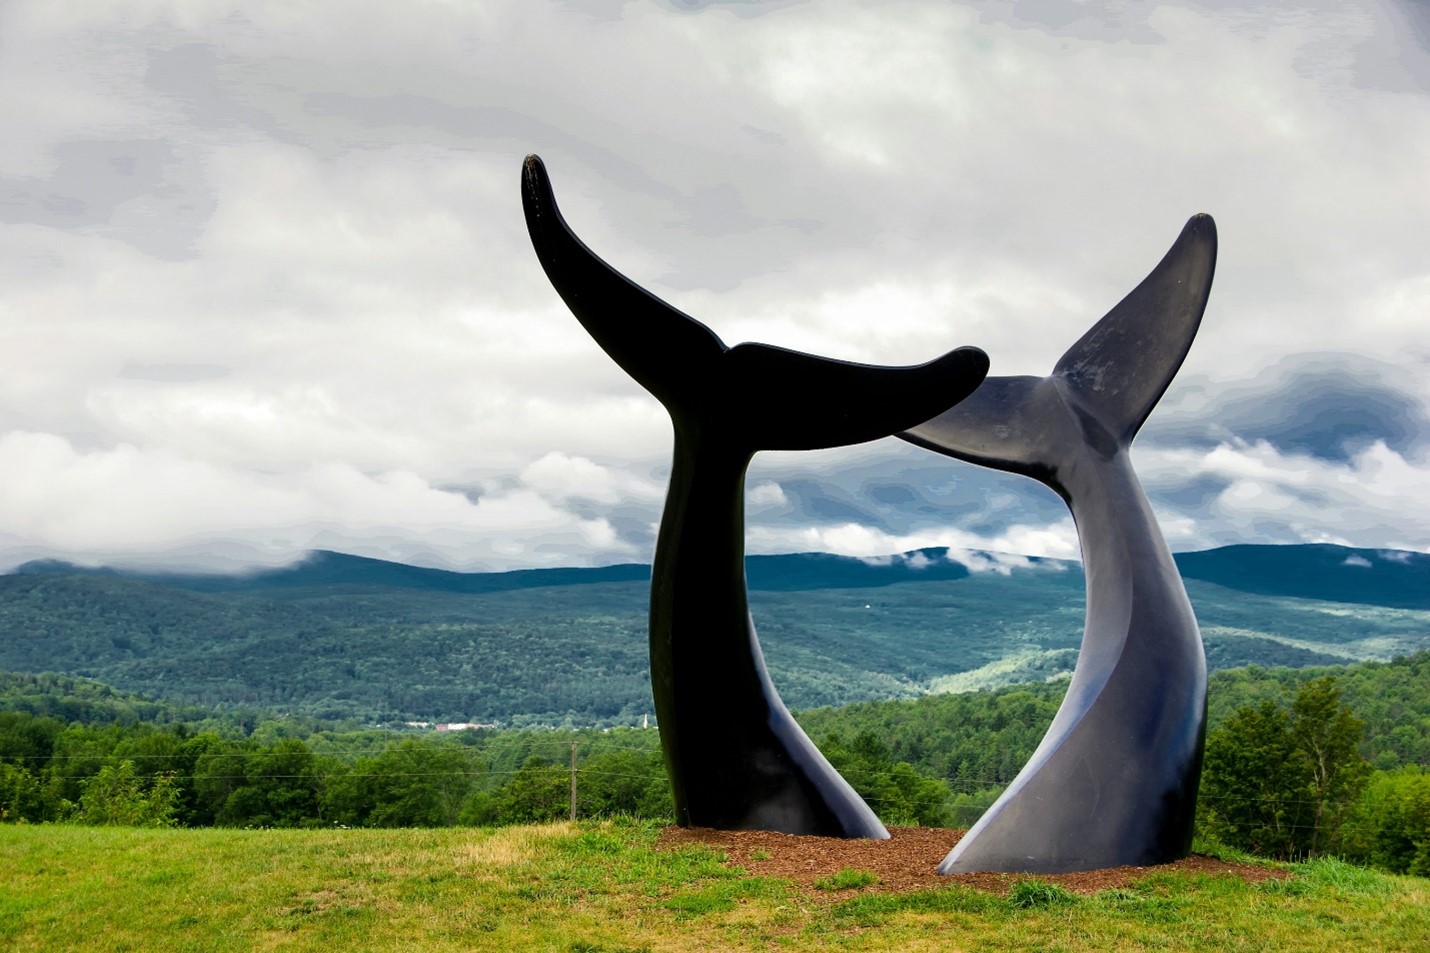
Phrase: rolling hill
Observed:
(347, 637)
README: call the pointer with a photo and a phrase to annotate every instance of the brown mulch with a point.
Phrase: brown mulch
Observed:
(909, 861)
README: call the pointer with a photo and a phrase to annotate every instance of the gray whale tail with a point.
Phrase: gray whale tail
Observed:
(1114, 780)
(736, 758)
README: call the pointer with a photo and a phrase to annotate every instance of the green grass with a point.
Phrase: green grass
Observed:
(1033, 893)
(602, 887)
(846, 879)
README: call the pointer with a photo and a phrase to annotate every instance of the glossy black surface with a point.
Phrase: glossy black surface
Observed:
(736, 758)
(1114, 780)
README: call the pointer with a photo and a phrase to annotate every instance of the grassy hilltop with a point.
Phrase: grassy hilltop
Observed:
(601, 886)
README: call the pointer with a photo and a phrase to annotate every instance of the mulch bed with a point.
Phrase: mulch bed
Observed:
(909, 860)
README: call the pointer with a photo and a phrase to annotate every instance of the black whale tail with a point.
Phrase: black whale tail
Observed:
(772, 398)
(1108, 381)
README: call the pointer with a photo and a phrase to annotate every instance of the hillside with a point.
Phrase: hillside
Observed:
(344, 637)
(604, 886)
(1336, 573)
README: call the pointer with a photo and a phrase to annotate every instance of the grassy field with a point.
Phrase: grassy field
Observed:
(593, 887)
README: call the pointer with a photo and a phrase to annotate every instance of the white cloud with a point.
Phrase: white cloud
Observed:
(1001, 563)
(1373, 499)
(767, 493)
(1057, 541)
(128, 504)
(558, 476)
(331, 224)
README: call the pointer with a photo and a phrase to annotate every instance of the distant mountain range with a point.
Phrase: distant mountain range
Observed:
(346, 636)
(1335, 573)
(785, 573)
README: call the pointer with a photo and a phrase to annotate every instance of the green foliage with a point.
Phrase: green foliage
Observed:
(64, 698)
(20, 796)
(974, 741)
(1389, 827)
(25, 738)
(118, 796)
(935, 760)
(414, 783)
(539, 791)
(1392, 698)
(577, 654)
(1251, 789)
(896, 791)
(1279, 782)
(243, 784)
(624, 782)
(966, 807)
(1329, 736)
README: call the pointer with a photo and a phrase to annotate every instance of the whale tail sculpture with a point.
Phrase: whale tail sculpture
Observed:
(765, 397)
(736, 758)
(1114, 780)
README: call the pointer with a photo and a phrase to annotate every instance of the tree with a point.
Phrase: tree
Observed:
(20, 796)
(117, 795)
(896, 791)
(240, 784)
(1390, 824)
(287, 777)
(1328, 735)
(411, 784)
(624, 782)
(539, 791)
(220, 769)
(1278, 782)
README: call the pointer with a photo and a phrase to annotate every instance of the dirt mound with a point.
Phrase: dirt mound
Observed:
(908, 860)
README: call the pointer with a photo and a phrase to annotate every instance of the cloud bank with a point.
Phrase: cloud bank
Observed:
(265, 284)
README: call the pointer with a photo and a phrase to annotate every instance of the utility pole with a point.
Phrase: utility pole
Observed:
(573, 780)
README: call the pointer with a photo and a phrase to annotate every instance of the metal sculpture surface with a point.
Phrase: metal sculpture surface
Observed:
(1114, 780)
(736, 758)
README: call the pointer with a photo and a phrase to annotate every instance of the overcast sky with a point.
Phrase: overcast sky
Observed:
(265, 284)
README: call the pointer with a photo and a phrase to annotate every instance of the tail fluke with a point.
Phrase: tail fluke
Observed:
(1102, 389)
(1121, 367)
(787, 400)
(1008, 423)
(663, 349)
(768, 397)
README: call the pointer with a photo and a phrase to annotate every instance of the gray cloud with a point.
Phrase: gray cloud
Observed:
(265, 283)
(118, 189)
(1326, 405)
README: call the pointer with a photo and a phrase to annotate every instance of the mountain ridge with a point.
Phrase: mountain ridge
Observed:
(1324, 571)
(351, 638)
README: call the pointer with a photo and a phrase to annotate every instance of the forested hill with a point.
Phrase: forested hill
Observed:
(348, 638)
(1334, 573)
(321, 569)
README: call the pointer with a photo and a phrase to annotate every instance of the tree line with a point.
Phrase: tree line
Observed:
(1298, 763)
